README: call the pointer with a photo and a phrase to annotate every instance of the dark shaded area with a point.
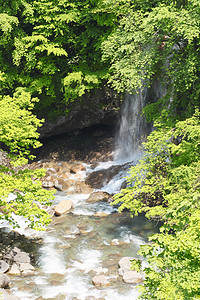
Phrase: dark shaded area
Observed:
(90, 145)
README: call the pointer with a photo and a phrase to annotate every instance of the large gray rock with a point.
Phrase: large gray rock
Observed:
(4, 280)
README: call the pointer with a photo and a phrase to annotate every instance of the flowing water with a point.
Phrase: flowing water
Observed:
(79, 245)
(132, 127)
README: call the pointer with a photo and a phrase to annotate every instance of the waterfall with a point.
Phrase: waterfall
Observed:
(132, 126)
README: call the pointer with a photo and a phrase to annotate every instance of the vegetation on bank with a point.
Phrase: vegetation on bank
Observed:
(166, 185)
(52, 52)
(160, 40)
(21, 192)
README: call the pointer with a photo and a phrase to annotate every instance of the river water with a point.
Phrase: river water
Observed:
(81, 244)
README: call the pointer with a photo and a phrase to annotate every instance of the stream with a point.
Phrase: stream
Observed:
(88, 241)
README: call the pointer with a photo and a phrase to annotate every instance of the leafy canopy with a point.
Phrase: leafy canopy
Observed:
(21, 192)
(54, 48)
(166, 185)
(157, 40)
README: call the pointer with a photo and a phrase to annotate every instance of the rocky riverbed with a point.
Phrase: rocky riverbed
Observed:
(86, 251)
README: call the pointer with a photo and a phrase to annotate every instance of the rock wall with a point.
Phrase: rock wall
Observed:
(101, 106)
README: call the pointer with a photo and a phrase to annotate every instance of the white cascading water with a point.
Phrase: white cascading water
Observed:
(132, 126)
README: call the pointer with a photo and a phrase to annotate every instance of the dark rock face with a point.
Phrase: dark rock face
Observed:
(99, 178)
(100, 107)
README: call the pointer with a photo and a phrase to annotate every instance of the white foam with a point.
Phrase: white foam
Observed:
(51, 260)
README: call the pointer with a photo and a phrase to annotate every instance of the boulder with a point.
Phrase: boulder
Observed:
(101, 270)
(129, 276)
(65, 166)
(17, 256)
(98, 179)
(27, 273)
(82, 188)
(48, 182)
(14, 270)
(7, 296)
(101, 214)
(77, 168)
(100, 281)
(132, 277)
(116, 242)
(99, 196)
(50, 166)
(63, 185)
(63, 207)
(125, 263)
(4, 280)
(4, 267)
(26, 267)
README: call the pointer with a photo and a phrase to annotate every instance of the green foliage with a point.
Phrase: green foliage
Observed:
(49, 44)
(165, 185)
(21, 194)
(161, 41)
(18, 126)
(21, 191)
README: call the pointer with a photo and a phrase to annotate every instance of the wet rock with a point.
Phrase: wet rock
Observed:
(101, 270)
(58, 297)
(4, 267)
(72, 230)
(125, 263)
(65, 166)
(50, 166)
(129, 276)
(77, 168)
(17, 256)
(62, 184)
(99, 178)
(100, 281)
(7, 296)
(14, 270)
(48, 182)
(4, 280)
(116, 242)
(25, 267)
(101, 214)
(27, 273)
(99, 196)
(63, 207)
(132, 277)
(82, 188)
(56, 278)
